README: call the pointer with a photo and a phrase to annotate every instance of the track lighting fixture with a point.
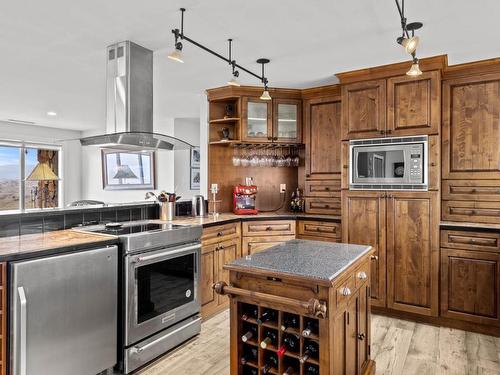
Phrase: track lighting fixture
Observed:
(408, 39)
(265, 94)
(236, 68)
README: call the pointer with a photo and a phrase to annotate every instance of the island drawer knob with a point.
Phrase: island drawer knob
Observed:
(362, 275)
(374, 257)
(346, 291)
(361, 336)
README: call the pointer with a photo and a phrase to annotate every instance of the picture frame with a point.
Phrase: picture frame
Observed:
(195, 157)
(128, 170)
(194, 179)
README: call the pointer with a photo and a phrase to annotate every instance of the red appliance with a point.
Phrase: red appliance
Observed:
(244, 199)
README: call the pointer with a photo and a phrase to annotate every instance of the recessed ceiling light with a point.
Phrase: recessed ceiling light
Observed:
(51, 113)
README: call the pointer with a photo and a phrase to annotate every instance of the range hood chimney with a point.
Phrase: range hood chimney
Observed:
(129, 102)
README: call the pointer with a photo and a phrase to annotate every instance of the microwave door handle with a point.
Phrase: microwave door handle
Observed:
(23, 302)
(169, 253)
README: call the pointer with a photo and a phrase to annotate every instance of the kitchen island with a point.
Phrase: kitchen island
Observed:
(301, 307)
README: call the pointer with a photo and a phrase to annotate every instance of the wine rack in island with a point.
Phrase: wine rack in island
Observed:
(277, 342)
(290, 324)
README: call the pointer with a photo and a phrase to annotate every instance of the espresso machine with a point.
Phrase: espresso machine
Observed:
(244, 198)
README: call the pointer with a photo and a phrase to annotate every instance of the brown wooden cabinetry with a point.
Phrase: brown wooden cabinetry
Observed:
(363, 222)
(364, 109)
(402, 227)
(220, 244)
(260, 235)
(318, 230)
(413, 252)
(414, 104)
(470, 276)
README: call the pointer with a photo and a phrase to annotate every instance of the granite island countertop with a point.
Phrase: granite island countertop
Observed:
(50, 243)
(303, 259)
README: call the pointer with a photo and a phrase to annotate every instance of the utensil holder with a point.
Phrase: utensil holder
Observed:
(167, 211)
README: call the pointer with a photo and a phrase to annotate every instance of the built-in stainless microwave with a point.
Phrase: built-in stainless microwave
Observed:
(398, 163)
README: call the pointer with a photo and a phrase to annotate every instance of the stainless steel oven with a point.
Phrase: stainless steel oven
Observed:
(161, 289)
(398, 163)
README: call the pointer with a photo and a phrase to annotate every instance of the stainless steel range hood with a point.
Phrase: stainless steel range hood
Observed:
(129, 102)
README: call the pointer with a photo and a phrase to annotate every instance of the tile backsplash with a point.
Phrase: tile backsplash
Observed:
(39, 222)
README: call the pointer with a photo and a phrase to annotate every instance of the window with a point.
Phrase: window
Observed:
(17, 162)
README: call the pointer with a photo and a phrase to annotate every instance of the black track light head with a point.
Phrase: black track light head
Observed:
(178, 46)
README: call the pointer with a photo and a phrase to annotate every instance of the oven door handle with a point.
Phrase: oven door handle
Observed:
(170, 253)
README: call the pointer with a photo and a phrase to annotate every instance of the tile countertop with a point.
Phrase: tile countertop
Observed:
(50, 243)
(319, 261)
(227, 217)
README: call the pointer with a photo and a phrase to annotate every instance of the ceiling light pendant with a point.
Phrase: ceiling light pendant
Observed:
(415, 69)
(265, 94)
(234, 79)
(176, 54)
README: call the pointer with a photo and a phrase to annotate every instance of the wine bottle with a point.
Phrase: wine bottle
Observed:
(290, 321)
(271, 362)
(252, 332)
(290, 343)
(268, 315)
(250, 311)
(289, 371)
(310, 351)
(311, 327)
(311, 370)
(270, 337)
(249, 355)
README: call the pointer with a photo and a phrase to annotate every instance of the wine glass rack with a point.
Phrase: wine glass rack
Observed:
(254, 359)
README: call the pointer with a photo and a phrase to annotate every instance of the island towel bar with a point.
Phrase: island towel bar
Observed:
(312, 307)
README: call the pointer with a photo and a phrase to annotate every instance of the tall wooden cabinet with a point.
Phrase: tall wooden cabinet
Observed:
(403, 228)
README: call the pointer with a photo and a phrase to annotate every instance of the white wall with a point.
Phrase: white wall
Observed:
(204, 145)
(187, 129)
(71, 151)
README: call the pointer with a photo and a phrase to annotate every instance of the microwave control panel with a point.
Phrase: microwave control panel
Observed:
(416, 163)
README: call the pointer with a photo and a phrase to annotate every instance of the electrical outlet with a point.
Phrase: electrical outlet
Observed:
(282, 188)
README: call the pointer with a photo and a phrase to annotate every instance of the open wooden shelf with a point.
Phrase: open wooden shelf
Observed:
(224, 120)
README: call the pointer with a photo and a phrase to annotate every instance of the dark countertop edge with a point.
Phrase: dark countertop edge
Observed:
(333, 219)
(58, 250)
(69, 210)
(321, 281)
(468, 227)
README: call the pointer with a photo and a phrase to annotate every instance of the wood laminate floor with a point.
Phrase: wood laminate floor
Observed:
(398, 347)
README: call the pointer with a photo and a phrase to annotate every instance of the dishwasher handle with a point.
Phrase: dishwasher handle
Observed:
(23, 303)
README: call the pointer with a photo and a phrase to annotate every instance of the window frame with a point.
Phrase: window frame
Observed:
(22, 146)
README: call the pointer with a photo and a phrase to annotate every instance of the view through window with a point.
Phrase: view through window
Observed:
(17, 162)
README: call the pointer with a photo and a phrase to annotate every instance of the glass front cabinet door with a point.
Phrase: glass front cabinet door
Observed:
(287, 125)
(256, 124)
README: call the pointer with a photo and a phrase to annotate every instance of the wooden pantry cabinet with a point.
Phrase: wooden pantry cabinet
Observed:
(403, 229)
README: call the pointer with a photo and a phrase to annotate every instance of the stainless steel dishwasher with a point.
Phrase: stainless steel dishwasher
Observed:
(64, 313)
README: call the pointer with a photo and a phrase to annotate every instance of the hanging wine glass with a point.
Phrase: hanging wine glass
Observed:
(245, 162)
(296, 158)
(289, 161)
(254, 158)
(236, 157)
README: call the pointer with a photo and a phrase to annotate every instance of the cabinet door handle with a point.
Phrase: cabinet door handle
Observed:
(269, 138)
(346, 291)
(275, 138)
(327, 188)
(361, 336)
(269, 228)
(22, 350)
(374, 257)
(362, 275)
(382, 132)
(219, 234)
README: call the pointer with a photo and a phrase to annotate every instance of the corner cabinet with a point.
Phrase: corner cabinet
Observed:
(277, 120)
(363, 109)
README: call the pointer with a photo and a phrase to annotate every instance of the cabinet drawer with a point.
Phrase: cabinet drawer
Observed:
(471, 190)
(346, 290)
(476, 212)
(269, 228)
(319, 228)
(457, 239)
(325, 188)
(220, 233)
(252, 245)
(325, 206)
(361, 274)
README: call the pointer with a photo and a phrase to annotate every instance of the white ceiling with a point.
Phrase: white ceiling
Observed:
(53, 51)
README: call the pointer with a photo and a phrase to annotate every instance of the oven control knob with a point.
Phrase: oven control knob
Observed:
(188, 293)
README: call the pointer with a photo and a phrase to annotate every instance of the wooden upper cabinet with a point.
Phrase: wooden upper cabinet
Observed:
(413, 252)
(287, 120)
(256, 120)
(471, 128)
(414, 105)
(363, 222)
(322, 138)
(364, 110)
